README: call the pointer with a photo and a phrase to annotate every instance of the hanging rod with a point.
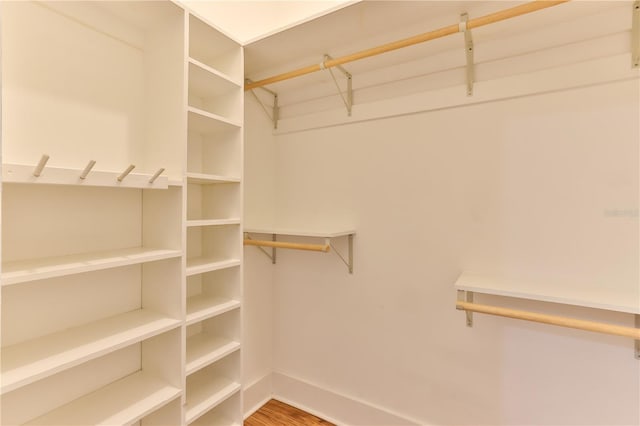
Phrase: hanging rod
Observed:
(597, 327)
(420, 38)
(281, 244)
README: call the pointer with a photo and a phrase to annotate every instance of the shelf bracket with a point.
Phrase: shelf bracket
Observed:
(348, 262)
(635, 35)
(274, 115)
(466, 296)
(348, 101)
(468, 49)
(271, 256)
(637, 342)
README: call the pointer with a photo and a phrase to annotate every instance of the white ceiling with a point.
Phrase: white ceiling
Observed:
(248, 21)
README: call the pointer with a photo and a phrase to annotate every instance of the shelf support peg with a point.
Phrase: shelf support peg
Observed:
(125, 173)
(40, 167)
(156, 175)
(87, 169)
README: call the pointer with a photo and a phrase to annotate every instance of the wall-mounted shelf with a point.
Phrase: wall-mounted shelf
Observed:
(207, 393)
(467, 285)
(327, 235)
(17, 272)
(19, 173)
(123, 402)
(202, 307)
(204, 350)
(207, 179)
(33, 360)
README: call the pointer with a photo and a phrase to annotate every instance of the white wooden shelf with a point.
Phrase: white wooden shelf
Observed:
(123, 402)
(599, 298)
(206, 179)
(206, 82)
(200, 265)
(27, 362)
(202, 307)
(213, 222)
(327, 233)
(204, 349)
(19, 173)
(36, 269)
(206, 123)
(204, 393)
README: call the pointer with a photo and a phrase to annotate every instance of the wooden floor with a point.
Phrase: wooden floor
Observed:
(278, 413)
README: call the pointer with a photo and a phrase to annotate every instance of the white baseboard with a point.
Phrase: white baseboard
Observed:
(331, 406)
(257, 394)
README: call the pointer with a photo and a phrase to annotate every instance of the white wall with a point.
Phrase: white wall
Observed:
(259, 202)
(522, 187)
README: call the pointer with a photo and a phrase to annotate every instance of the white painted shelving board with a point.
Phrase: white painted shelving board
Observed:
(199, 265)
(206, 82)
(120, 403)
(205, 392)
(207, 179)
(24, 363)
(213, 222)
(50, 267)
(19, 173)
(328, 233)
(201, 307)
(599, 298)
(204, 349)
(206, 123)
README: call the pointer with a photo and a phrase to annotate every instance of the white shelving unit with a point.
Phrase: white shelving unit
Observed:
(121, 292)
(213, 224)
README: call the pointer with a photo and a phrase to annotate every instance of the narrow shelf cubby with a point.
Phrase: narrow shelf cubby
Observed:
(225, 414)
(214, 93)
(214, 149)
(211, 294)
(212, 339)
(213, 202)
(215, 50)
(212, 385)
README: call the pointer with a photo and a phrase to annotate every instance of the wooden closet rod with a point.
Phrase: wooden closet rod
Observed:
(597, 327)
(282, 244)
(420, 38)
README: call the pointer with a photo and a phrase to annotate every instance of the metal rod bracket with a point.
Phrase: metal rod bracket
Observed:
(348, 101)
(466, 296)
(468, 48)
(271, 256)
(635, 35)
(274, 115)
(348, 262)
(637, 342)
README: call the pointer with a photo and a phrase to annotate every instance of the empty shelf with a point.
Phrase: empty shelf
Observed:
(598, 298)
(200, 265)
(205, 392)
(50, 267)
(24, 363)
(120, 403)
(204, 349)
(19, 173)
(213, 222)
(328, 233)
(214, 419)
(206, 123)
(201, 307)
(206, 82)
(207, 179)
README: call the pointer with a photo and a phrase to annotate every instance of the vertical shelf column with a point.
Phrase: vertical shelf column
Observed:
(213, 226)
